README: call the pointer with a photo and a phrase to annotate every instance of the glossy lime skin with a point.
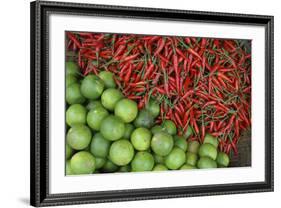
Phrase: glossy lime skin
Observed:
(79, 137)
(99, 146)
(71, 68)
(129, 128)
(100, 162)
(68, 151)
(180, 142)
(73, 94)
(170, 127)
(96, 116)
(83, 163)
(206, 162)
(187, 167)
(70, 79)
(141, 138)
(126, 109)
(153, 107)
(191, 158)
(175, 159)
(144, 119)
(68, 170)
(208, 150)
(112, 128)
(211, 140)
(160, 167)
(193, 146)
(222, 159)
(109, 167)
(76, 114)
(143, 161)
(92, 87)
(107, 78)
(110, 97)
(121, 152)
(162, 143)
(93, 104)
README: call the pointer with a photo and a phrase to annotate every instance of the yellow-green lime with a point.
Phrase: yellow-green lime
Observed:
(70, 79)
(100, 162)
(175, 159)
(96, 116)
(79, 136)
(92, 87)
(162, 143)
(68, 170)
(170, 127)
(141, 138)
(208, 150)
(153, 107)
(129, 128)
(191, 158)
(187, 167)
(125, 168)
(157, 128)
(159, 159)
(211, 140)
(110, 97)
(126, 109)
(188, 132)
(83, 163)
(206, 162)
(180, 142)
(121, 152)
(73, 94)
(160, 167)
(193, 146)
(71, 68)
(143, 161)
(222, 159)
(109, 167)
(93, 104)
(99, 146)
(68, 151)
(112, 128)
(107, 78)
(76, 114)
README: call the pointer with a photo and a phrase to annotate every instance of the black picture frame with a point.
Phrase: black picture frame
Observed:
(39, 189)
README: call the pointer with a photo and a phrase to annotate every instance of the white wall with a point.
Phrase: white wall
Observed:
(14, 103)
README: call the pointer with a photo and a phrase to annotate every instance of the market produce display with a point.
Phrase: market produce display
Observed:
(154, 103)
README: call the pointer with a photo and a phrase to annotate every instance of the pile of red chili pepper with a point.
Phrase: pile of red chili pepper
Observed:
(201, 82)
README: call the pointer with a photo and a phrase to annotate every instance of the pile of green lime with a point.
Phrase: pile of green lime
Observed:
(107, 133)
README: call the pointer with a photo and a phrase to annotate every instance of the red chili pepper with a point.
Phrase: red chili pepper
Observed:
(160, 46)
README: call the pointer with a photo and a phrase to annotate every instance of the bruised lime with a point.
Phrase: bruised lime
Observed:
(95, 117)
(175, 159)
(107, 78)
(222, 159)
(121, 152)
(162, 143)
(143, 161)
(79, 136)
(211, 140)
(110, 97)
(83, 163)
(193, 146)
(92, 87)
(206, 162)
(141, 138)
(99, 146)
(126, 109)
(170, 127)
(208, 150)
(73, 94)
(160, 167)
(191, 158)
(112, 128)
(76, 114)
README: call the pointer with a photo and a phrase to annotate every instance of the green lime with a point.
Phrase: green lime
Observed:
(100, 162)
(187, 167)
(191, 158)
(76, 114)
(144, 119)
(93, 104)
(126, 109)
(109, 167)
(92, 87)
(96, 116)
(83, 163)
(68, 151)
(141, 138)
(79, 136)
(157, 128)
(206, 162)
(222, 159)
(73, 94)
(208, 150)
(153, 107)
(193, 146)
(99, 146)
(129, 128)
(175, 159)
(110, 97)
(159, 159)
(188, 132)
(71, 68)
(125, 168)
(107, 78)
(180, 142)
(112, 128)
(121, 152)
(143, 161)
(160, 167)
(68, 170)
(162, 143)
(211, 140)
(170, 127)
(70, 79)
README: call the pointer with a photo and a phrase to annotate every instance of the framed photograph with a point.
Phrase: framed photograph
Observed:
(131, 103)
